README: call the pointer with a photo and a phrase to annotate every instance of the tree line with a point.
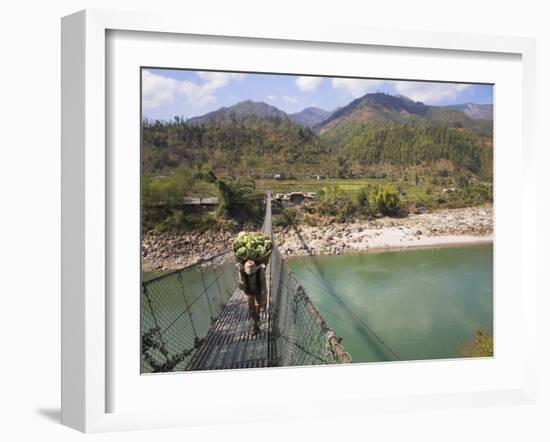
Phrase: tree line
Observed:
(259, 147)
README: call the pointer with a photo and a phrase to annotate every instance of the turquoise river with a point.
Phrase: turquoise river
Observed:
(421, 303)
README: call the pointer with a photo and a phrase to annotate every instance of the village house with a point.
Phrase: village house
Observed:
(293, 198)
(296, 197)
(197, 204)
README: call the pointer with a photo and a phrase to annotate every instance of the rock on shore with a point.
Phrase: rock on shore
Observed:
(169, 251)
(444, 227)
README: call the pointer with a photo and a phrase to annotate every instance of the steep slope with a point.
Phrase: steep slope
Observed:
(239, 111)
(389, 109)
(374, 107)
(379, 143)
(246, 145)
(380, 128)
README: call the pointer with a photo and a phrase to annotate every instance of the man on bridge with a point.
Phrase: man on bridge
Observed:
(252, 281)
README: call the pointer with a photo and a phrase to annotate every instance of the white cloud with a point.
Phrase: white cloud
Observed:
(289, 99)
(217, 80)
(356, 87)
(272, 97)
(159, 90)
(198, 95)
(308, 84)
(203, 94)
(429, 93)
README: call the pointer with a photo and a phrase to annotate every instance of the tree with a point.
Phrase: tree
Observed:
(363, 202)
(480, 346)
(343, 167)
(239, 199)
(386, 200)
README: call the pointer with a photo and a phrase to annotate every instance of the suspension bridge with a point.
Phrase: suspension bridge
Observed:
(197, 318)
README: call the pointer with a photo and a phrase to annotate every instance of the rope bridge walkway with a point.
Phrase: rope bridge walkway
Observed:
(197, 318)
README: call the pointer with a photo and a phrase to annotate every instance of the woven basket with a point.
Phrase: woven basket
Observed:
(261, 260)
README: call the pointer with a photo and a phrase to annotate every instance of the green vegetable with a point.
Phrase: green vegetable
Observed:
(251, 245)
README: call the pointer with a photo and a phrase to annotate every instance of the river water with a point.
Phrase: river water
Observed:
(422, 304)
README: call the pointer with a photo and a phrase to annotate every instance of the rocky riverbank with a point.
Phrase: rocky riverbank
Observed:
(441, 228)
(169, 251)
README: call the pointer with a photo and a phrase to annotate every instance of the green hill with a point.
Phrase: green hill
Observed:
(390, 109)
(248, 146)
(257, 140)
(405, 145)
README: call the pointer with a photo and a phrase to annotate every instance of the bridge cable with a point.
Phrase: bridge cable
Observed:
(351, 313)
(330, 291)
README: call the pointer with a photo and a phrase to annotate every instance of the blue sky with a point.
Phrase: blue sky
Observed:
(167, 93)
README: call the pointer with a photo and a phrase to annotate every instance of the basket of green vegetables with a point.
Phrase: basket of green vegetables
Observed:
(253, 246)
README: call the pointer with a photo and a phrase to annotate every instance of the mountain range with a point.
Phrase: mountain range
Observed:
(372, 130)
(385, 108)
(377, 107)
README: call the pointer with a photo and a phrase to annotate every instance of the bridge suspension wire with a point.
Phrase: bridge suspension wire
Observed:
(322, 288)
(299, 334)
(353, 315)
(359, 321)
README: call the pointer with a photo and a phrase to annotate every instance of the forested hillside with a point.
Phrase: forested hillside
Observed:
(250, 146)
(396, 110)
(405, 145)
(256, 140)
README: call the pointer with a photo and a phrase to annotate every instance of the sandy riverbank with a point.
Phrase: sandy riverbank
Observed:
(437, 229)
(388, 240)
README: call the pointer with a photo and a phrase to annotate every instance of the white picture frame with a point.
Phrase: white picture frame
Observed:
(85, 202)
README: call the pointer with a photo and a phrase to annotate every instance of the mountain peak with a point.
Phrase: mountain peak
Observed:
(310, 116)
(241, 110)
(377, 106)
(403, 97)
(397, 103)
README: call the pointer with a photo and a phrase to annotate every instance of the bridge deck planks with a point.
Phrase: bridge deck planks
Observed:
(229, 343)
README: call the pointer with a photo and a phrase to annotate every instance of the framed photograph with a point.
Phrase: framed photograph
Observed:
(271, 211)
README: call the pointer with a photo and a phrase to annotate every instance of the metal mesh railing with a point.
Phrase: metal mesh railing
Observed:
(178, 309)
(267, 226)
(299, 334)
